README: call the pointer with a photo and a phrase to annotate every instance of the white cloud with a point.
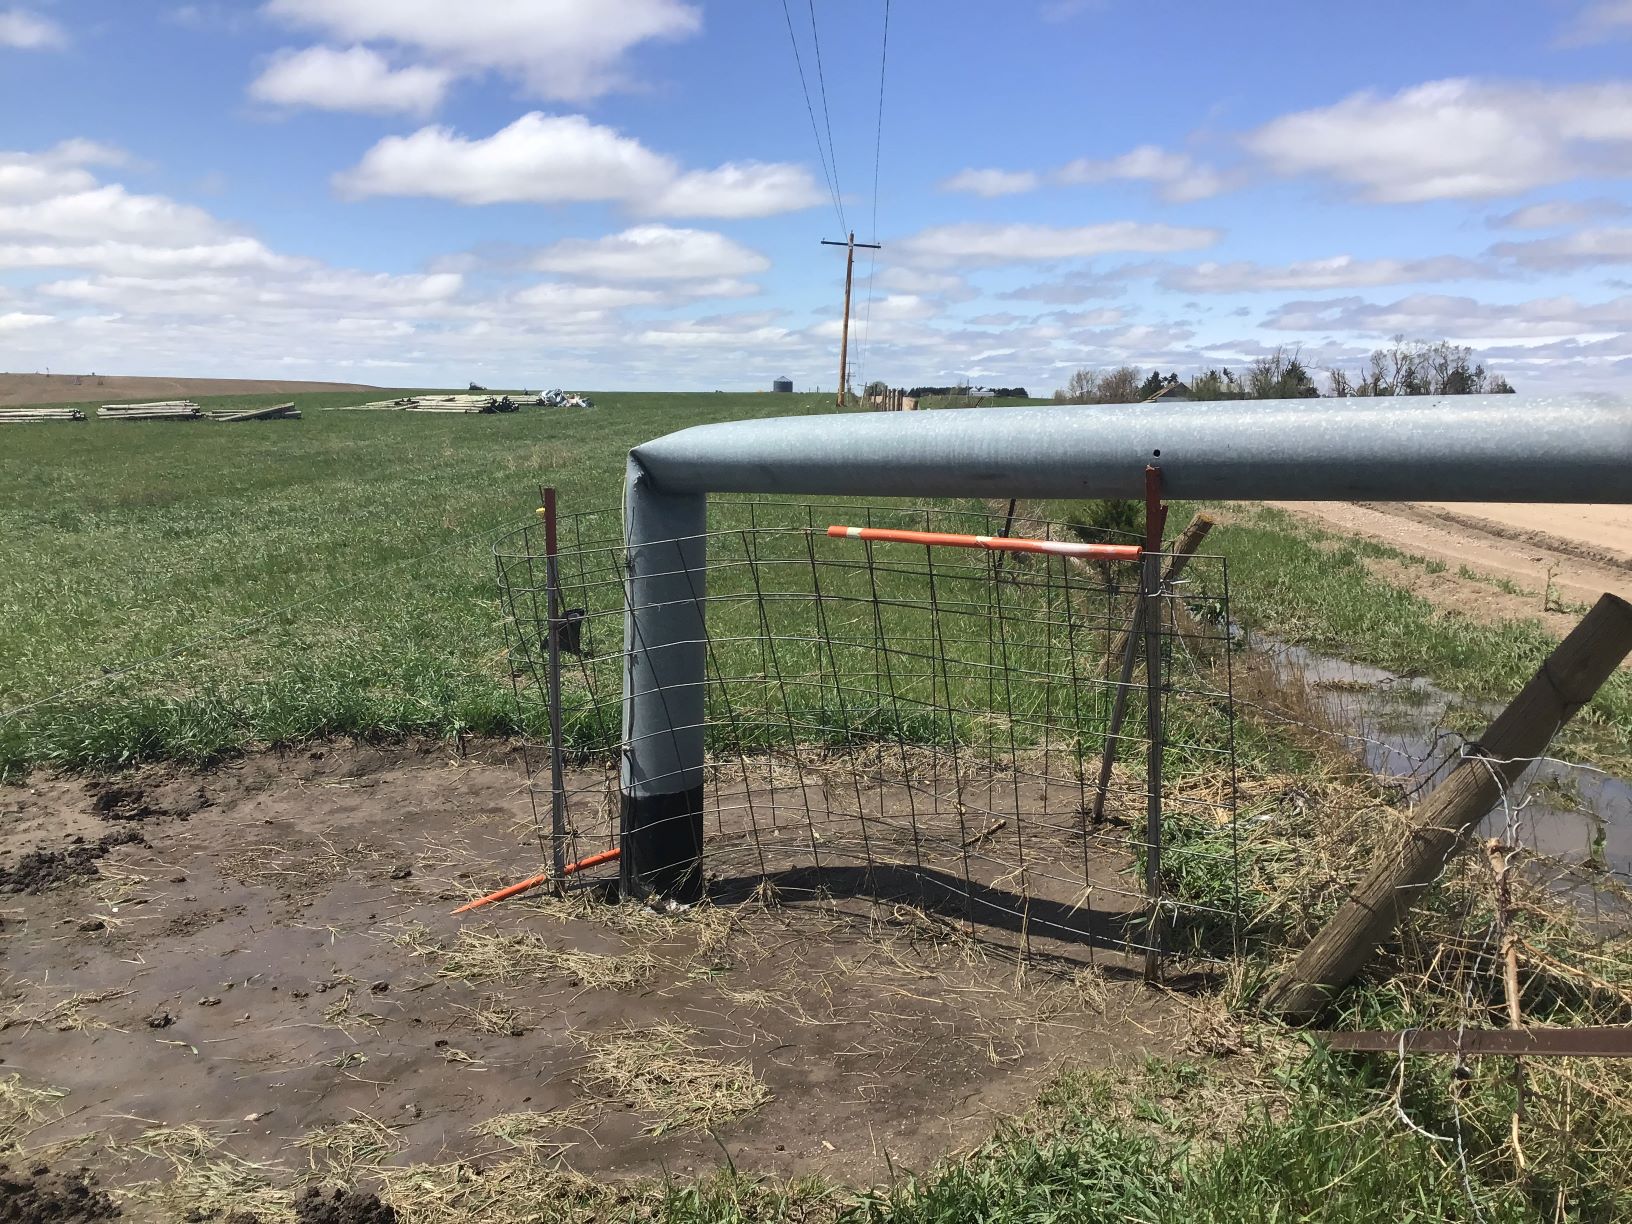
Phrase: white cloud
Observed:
(1457, 318)
(894, 306)
(537, 159)
(1455, 139)
(551, 159)
(354, 79)
(991, 183)
(1553, 214)
(1178, 176)
(17, 320)
(29, 31)
(1600, 21)
(565, 49)
(652, 253)
(1584, 248)
(946, 285)
(134, 258)
(737, 189)
(38, 176)
(54, 213)
(1075, 289)
(973, 244)
(1338, 272)
(552, 296)
(754, 331)
(107, 213)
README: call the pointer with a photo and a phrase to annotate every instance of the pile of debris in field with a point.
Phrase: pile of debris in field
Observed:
(438, 403)
(473, 403)
(157, 410)
(187, 410)
(558, 398)
(277, 412)
(22, 415)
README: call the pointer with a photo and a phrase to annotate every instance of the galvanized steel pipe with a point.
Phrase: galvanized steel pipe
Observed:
(1461, 448)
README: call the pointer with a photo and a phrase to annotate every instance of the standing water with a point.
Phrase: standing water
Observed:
(1410, 731)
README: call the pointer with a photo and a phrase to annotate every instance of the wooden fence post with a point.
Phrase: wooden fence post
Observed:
(1565, 682)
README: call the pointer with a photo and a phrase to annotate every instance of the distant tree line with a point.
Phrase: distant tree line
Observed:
(964, 389)
(1405, 367)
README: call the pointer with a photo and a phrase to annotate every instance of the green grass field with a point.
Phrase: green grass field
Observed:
(275, 581)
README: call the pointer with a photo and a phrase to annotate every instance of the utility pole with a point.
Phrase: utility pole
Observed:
(844, 335)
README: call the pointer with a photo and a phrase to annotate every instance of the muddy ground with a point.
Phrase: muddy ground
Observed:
(258, 963)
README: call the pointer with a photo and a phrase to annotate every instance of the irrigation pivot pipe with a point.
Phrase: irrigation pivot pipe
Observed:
(1404, 448)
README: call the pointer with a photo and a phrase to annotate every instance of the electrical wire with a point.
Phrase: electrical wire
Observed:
(827, 118)
(810, 109)
(878, 145)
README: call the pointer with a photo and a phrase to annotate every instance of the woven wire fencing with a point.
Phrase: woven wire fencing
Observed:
(905, 724)
(1528, 926)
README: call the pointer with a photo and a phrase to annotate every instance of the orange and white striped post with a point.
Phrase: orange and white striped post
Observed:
(945, 539)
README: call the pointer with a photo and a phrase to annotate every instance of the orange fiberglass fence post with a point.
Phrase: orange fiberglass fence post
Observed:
(531, 882)
(1057, 548)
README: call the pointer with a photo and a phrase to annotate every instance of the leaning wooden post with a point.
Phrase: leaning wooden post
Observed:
(1566, 681)
(1183, 549)
(1125, 648)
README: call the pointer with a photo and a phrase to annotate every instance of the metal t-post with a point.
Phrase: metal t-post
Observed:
(558, 789)
(1151, 583)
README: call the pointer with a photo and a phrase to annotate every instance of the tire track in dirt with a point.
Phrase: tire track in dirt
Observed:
(1515, 568)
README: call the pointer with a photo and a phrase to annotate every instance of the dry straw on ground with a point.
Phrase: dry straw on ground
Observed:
(660, 1071)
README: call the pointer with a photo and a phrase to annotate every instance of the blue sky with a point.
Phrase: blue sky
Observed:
(629, 194)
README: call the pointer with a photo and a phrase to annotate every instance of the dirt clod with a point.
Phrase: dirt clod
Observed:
(39, 870)
(93, 924)
(343, 1207)
(120, 803)
(43, 1197)
(160, 1020)
(402, 872)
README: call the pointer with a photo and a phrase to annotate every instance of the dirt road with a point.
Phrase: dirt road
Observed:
(1526, 559)
(17, 389)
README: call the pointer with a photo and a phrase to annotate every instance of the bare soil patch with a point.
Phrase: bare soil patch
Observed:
(269, 990)
(1520, 571)
(20, 389)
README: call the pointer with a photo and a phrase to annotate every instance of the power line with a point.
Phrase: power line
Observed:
(827, 118)
(878, 144)
(878, 139)
(832, 185)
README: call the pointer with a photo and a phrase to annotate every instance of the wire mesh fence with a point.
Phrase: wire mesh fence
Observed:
(908, 723)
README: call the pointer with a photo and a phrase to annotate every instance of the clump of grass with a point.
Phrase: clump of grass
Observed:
(658, 1070)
